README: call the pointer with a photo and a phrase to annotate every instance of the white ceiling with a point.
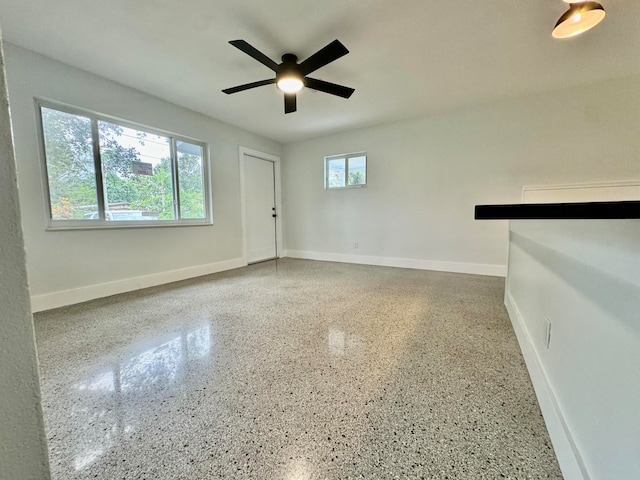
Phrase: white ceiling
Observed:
(407, 58)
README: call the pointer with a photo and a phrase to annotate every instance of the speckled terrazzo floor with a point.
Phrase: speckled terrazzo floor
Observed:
(292, 370)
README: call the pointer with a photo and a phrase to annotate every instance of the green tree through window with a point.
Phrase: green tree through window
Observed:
(343, 171)
(128, 193)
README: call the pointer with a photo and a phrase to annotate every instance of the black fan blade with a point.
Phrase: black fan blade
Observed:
(326, 87)
(289, 102)
(247, 86)
(322, 57)
(254, 53)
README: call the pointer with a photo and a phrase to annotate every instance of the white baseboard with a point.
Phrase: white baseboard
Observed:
(567, 453)
(63, 298)
(457, 267)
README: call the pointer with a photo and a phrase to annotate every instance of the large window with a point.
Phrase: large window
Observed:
(103, 172)
(343, 171)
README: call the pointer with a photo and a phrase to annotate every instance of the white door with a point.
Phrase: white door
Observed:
(260, 204)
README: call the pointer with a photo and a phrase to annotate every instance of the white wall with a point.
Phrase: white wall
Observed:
(585, 277)
(591, 192)
(426, 175)
(23, 446)
(70, 266)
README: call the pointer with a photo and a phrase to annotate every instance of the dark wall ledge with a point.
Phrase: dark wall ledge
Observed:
(559, 211)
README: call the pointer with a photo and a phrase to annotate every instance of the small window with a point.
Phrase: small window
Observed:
(344, 171)
(104, 172)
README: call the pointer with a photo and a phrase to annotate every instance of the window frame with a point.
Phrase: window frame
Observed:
(101, 222)
(346, 157)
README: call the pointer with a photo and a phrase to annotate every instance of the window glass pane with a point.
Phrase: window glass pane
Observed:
(139, 176)
(136, 170)
(190, 180)
(357, 171)
(335, 172)
(70, 166)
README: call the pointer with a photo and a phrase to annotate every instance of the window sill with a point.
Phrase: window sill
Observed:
(346, 187)
(95, 225)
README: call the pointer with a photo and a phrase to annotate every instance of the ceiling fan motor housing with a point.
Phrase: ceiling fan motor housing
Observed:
(289, 68)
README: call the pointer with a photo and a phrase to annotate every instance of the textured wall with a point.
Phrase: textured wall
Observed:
(23, 447)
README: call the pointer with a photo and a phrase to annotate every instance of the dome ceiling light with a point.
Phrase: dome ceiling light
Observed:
(580, 17)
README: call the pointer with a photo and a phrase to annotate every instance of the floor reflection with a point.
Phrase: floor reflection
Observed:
(100, 405)
(298, 469)
(341, 343)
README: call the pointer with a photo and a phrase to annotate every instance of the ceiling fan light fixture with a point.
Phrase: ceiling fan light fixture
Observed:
(580, 17)
(290, 84)
(291, 76)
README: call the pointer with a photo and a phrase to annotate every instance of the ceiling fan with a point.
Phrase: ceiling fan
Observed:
(291, 76)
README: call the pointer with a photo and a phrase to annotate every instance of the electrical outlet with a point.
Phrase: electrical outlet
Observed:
(355, 244)
(547, 332)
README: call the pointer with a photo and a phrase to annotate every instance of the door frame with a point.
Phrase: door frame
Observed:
(242, 151)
